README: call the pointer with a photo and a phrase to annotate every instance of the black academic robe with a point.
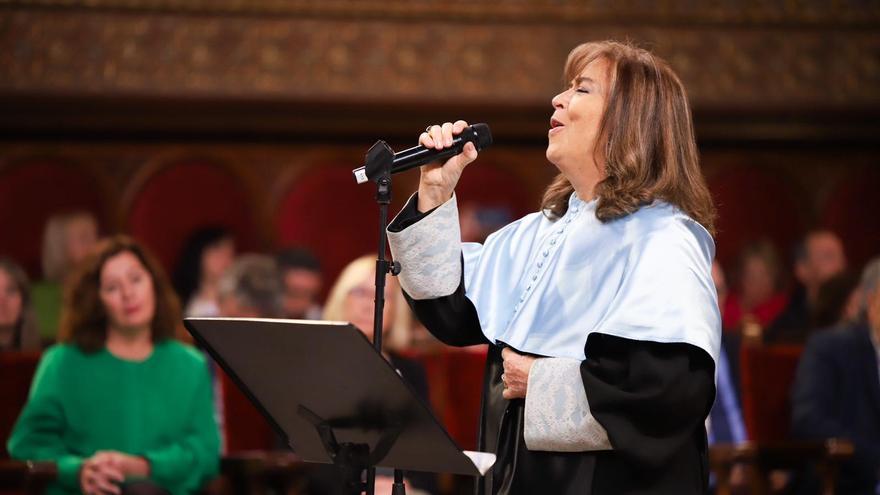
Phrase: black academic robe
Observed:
(652, 399)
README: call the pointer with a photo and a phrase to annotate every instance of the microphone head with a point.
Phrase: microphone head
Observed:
(483, 136)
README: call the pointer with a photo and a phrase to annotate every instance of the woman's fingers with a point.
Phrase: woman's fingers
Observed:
(516, 373)
(100, 479)
(112, 473)
(426, 140)
(441, 136)
(104, 485)
(447, 134)
(436, 133)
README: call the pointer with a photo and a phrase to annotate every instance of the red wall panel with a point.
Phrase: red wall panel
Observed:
(30, 192)
(183, 197)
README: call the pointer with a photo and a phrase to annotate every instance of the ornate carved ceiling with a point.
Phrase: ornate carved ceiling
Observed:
(753, 57)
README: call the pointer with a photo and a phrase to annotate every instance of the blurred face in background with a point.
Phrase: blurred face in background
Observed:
(231, 307)
(758, 282)
(873, 307)
(359, 305)
(301, 290)
(127, 293)
(824, 259)
(10, 300)
(216, 258)
(81, 237)
(720, 282)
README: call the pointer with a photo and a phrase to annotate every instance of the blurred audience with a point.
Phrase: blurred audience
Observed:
(818, 258)
(478, 220)
(352, 299)
(18, 327)
(758, 298)
(720, 280)
(119, 404)
(303, 281)
(730, 341)
(207, 253)
(725, 423)
(836, 393)
(67, 239)
(837, 302)
(251, 288)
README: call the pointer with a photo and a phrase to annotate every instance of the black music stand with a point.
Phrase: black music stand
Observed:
(333, 397)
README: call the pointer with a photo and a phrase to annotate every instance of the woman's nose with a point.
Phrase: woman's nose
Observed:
(558, 100)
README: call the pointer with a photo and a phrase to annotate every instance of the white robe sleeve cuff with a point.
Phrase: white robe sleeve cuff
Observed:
(557, 416)
(429, 252)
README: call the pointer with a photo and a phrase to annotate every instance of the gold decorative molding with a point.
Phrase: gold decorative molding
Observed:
(804, 12)
(56, 51)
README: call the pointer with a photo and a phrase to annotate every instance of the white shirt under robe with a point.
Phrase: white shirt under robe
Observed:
(625, 317)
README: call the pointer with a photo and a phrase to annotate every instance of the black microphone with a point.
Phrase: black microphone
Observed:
(417, 156)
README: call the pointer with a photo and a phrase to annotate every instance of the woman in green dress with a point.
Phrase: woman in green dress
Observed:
(119, 402)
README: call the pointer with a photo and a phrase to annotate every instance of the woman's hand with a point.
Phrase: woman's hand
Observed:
(129, 465)
(103, 472)
(438, 180)
(516, 373)
(99, 477)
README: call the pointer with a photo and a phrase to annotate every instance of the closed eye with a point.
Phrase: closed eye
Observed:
(583, 90)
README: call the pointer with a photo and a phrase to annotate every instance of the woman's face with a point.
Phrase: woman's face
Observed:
(127, 293)
(757, 281)
(575, 124)
(216, 258)
(82, 235)
(359, 305)
(10, 300)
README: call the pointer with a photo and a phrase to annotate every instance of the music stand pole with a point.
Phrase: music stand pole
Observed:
(378, 165)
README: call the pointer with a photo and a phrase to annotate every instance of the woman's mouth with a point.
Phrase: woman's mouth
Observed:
(555, 126)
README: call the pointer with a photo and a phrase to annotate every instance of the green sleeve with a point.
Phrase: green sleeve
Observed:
(37, 434)
(46, 299)
(194, 458)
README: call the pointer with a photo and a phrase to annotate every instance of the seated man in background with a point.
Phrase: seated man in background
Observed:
(251, 288)
(120, 405)
(302, 280)
(836, 393)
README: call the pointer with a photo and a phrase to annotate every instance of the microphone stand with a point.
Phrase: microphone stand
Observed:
(378, 161)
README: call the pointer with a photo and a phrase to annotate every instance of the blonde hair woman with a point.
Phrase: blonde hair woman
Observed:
(68, 238)
(351, 299)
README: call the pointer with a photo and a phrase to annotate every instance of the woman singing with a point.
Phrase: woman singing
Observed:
(600, 309)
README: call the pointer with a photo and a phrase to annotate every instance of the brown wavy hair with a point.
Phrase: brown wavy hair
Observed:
(83, 317)
(646, 139)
